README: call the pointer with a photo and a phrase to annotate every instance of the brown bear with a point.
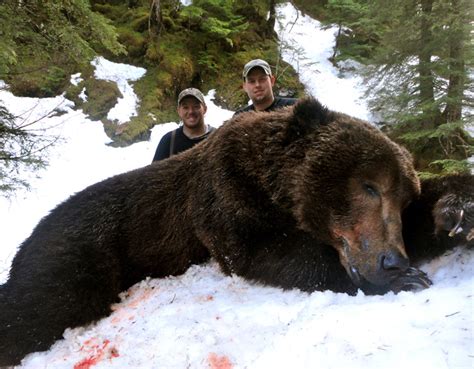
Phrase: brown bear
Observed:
(298, 198)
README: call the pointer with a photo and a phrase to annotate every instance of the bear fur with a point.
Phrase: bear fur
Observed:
(298, 198)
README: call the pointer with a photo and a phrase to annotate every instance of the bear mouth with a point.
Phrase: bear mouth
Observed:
(355, 275)
(358, 278)
(352, 271)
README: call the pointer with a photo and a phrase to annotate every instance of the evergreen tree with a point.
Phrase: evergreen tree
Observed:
(23, 149)
(34, 35)
(420, 55)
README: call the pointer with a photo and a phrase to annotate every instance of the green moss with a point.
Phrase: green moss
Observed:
(72, 92)
(169, 20)
(140, 22)
(127, 133)
(55, 80)
(185, 51)
(134, 42)
(153, 55)
(39, 74)
(157, 105)
(101, 97)
(113, 12)
(153, 89)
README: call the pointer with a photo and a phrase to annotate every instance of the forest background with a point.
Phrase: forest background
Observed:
(416, 57)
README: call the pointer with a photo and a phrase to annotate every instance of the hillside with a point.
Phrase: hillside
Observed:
(203, 45)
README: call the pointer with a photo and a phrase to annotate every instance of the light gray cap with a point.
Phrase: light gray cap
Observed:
(191, 92)
(256, 63)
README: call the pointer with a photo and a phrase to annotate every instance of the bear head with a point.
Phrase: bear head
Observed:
(350, 190)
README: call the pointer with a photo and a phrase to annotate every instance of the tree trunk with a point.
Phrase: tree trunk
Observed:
(271, 20)
(453, 109)
(426, 82)
(155, 20)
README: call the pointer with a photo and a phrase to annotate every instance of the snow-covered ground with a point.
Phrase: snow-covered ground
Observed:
(307, 48)
(204, 319)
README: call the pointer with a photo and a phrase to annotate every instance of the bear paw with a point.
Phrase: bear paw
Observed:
(411, 280)
(455, 215)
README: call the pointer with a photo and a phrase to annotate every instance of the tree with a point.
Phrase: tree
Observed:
(35, 34)
(418, 52)
(23, 149)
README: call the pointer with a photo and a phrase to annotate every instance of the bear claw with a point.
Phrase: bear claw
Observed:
(411, 280)
(454, 215)
(457, 227)
(470, 235)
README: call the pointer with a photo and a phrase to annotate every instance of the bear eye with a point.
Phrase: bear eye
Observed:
(371, 190)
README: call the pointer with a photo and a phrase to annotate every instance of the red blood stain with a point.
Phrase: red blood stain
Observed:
(219, 362)
(98, 355)
(86, 363)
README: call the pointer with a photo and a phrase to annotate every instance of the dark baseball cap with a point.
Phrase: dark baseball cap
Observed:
(254, 64)
(191, 92)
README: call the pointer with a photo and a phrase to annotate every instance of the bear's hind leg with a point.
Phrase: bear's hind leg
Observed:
(45, 296)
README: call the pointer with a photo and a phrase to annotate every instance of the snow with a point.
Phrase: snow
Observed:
(310, 59)
(204, 319)
(121, 74)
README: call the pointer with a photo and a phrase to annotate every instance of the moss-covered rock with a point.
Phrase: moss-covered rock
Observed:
(40, 74)
(135, 43)
(125, 134)
(101, 97)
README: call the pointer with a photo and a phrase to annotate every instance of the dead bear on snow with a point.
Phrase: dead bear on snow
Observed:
(300, 198)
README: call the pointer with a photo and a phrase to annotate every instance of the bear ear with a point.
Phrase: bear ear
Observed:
(309, 114)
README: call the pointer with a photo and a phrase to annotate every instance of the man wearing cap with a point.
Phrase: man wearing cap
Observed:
(258, 84)
(191, 110)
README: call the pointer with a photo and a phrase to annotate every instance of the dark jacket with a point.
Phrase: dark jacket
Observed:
(278, 102)
(175, 142)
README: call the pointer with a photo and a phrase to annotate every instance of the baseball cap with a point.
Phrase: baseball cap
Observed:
(191, 92)
(256, 63)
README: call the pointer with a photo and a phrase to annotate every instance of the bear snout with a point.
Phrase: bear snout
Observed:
(393, 262)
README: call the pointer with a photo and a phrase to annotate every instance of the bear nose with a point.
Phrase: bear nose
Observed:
(393, 261)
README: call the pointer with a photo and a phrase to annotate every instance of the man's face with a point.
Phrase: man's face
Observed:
(258, 85)
(191, 111)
